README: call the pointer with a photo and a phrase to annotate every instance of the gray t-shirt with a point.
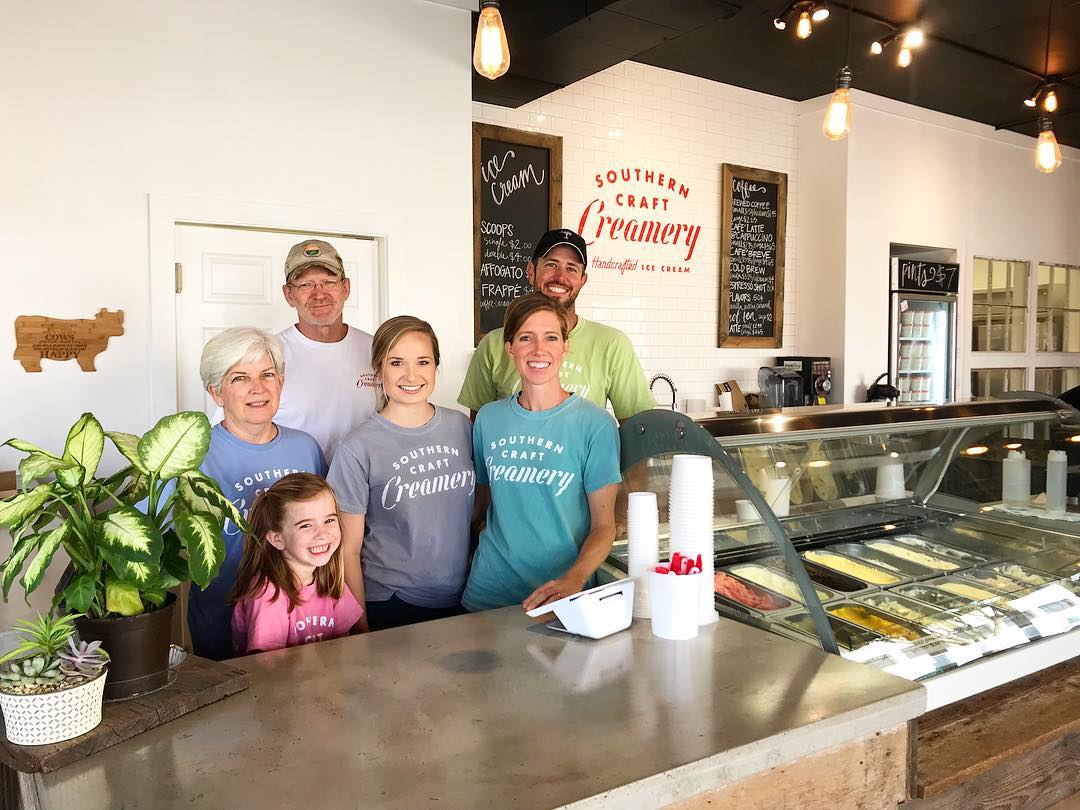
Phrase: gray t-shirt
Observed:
(415, 487)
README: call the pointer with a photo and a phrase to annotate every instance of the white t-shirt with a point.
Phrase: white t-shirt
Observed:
(329, 389)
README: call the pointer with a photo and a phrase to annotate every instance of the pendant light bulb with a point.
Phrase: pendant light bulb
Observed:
(1050, 101)
(1047, 151)
(491, 54)
(903, 59)
(804, 28)
(914, 38)
(820, 13)
(837, 122)
(876, 48)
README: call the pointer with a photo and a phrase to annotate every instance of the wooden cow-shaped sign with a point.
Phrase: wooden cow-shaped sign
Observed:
(38, 337)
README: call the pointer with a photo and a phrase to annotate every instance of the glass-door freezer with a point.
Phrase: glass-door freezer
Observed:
(922, 343)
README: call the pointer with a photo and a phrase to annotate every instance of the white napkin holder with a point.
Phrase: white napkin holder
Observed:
(595, 613)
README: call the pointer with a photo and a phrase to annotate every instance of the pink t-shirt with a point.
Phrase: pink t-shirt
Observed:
(262, 624)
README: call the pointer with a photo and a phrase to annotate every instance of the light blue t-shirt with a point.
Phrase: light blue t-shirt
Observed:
(242, 470)
(540, 466)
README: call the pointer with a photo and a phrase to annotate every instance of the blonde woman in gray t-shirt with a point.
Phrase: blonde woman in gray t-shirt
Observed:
(405, 483)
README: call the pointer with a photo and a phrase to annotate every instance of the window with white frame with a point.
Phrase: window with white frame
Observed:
(1025, 328)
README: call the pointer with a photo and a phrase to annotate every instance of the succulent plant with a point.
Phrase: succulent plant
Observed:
(84, 658)
(46, 636)
(36, 671)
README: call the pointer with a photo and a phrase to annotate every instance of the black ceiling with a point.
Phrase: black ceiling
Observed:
(981, 59)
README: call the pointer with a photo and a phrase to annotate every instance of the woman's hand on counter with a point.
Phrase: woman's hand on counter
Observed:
(554, 590)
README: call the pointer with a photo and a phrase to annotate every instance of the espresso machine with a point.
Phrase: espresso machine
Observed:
(779, 387)
(816, 375)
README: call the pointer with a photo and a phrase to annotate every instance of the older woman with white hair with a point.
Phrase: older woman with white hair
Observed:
(243, 370)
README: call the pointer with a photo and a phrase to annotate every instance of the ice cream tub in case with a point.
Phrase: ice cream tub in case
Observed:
(999, 582)
(910, 610)
(963, 557)
(995, 546)
(934, 597)
(826, 577)
(967, 588)
(848, 636)
(744, 595)
(1054, 561)
(905, 568)
(1023, 575)
(919, 556)
(858, 569)
(777, 582)
(876, 621)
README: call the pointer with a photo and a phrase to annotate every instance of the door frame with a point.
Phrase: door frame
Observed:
(167, 211)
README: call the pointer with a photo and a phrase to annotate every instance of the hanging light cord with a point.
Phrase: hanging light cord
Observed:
(1049, 18)
(847, 47)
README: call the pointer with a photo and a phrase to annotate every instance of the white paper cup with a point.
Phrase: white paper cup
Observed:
(723, 401)
(745, 511)
(890, 480)
(778, 494)
(674, 602)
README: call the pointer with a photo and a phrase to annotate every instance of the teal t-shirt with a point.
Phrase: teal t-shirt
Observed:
(601, 366)
(540, 466)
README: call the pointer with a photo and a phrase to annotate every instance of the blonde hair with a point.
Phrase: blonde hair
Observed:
(262, 565)
(393, 330)
(241, 344)
(521, 308)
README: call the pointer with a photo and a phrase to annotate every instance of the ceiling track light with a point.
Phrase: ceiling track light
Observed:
(491, 54)
(1044, 95)
(908, 39)
(802, 14)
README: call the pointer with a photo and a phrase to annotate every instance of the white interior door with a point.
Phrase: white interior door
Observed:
(233, 277)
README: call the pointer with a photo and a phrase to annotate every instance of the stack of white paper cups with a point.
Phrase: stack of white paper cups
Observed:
(690, 515)
(642, 546)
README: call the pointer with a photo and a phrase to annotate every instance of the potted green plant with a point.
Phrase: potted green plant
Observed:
(124, 560)
(53, 692)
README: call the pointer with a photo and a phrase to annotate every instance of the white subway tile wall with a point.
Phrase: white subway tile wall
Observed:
(637, 115)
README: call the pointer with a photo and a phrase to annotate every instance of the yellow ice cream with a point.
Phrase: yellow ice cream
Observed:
(851, 567)
(871, 621)
(967, 591)
(904, 611)
(778, 583)
(911, 555)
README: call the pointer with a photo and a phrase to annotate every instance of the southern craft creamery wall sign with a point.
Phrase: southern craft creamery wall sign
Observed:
(638, 222)
(40, 338)
(752, 225)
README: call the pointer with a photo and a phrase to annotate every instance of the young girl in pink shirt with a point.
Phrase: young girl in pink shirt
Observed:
(290, 589)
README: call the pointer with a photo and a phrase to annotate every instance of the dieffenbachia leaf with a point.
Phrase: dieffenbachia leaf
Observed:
(16, 509)
(27, 447)
(22, 549)
(176, 444)
(173, 562)
(71, 477)
(84, 445)
(201, 535)
(79, 594)
(128, 533)
(128, 445)
(198, 492)
(38, 465)
(50, 542)
(122, 597)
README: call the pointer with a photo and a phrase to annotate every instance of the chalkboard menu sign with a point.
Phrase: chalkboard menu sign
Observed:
(517, 196)
(927, 277)
(754, 218)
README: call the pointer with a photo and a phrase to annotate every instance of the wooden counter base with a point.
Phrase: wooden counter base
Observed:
(1011, 747)
(866, 774)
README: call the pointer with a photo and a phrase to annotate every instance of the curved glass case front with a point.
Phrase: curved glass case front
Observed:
(898, 518)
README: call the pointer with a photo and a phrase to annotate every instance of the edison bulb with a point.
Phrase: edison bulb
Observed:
(903, 59)
(837, 123)
(804, 28)
(1047, 152)
(1050, 101)
(491, 54)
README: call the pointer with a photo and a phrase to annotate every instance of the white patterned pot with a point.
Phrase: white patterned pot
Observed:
(54, 716)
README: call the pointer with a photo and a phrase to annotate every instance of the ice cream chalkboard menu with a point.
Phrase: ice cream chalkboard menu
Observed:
(753, 221)
(517, 196)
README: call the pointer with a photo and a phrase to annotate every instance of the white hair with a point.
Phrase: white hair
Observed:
(241, 344)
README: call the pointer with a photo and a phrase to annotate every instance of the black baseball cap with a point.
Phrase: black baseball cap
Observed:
(560, 236)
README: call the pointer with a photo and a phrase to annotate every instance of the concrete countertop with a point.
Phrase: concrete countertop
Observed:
(492, 710)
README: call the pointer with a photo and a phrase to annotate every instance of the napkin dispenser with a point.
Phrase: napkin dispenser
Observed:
(595, 613)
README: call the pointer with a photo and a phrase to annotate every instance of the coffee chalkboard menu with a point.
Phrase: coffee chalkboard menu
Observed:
(752, 229)
(517, 196)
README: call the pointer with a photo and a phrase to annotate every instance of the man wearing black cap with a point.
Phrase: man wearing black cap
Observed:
(601, 365)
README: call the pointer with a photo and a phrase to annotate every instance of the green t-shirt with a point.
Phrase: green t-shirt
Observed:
(601, 367)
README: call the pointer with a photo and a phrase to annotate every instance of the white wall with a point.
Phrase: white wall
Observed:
(686, 127)
(332, 104)
(918, 177)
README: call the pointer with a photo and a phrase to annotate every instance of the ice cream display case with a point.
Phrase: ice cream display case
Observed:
(937, 542)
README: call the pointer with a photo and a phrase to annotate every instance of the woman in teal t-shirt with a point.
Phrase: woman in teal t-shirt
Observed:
(549, 461)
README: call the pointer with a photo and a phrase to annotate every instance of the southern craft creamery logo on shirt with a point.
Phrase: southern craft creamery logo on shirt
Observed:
(523, 448)
(428, 467)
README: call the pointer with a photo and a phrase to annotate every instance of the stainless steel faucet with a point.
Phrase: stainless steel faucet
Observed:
(666, 379)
